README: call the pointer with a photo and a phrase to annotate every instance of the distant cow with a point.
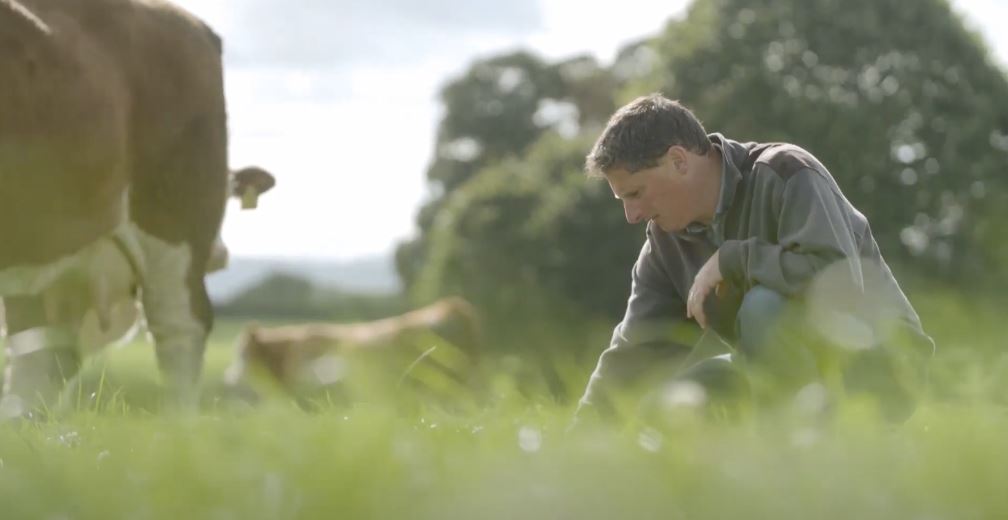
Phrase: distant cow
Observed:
(113, 176)
(290, 356)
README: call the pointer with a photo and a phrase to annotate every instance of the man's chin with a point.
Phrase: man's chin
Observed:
(665, 227)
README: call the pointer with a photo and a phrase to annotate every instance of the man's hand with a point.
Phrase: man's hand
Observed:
(707, 279)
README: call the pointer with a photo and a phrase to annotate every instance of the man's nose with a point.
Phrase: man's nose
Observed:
(632, 212)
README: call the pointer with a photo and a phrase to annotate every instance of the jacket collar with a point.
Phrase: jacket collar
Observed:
(732, 153)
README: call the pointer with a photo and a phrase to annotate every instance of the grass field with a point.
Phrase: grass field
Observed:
(115, 456)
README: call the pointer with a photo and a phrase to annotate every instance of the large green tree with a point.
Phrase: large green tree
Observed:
(498, 108)
(531, 236)
(489, 115)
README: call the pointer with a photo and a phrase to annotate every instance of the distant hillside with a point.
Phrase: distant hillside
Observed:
(366, 275)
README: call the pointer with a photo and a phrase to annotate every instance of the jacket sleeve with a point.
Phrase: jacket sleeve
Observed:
(645, 340)
(816, 227)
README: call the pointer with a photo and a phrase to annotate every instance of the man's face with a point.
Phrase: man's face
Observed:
(661, 194)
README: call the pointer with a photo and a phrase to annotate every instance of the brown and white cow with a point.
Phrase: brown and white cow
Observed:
(113, 176)
(290, 356)
(116, 318)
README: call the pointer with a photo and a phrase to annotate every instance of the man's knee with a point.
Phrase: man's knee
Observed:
(761, 312)
(760, 304)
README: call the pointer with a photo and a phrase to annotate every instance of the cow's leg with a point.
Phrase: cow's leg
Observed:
(177, 203)
(178, 314)
(178, 188)
(40, 358)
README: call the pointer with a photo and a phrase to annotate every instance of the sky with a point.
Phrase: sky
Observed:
(338, 99)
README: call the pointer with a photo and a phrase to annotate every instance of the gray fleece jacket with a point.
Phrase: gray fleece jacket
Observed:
(781, 222)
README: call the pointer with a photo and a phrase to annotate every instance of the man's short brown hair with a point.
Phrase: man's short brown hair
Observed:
(640, 132)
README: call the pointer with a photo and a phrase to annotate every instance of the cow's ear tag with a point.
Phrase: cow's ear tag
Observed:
(250, 198)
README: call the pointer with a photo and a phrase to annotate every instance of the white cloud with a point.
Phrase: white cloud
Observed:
(345, 33)
(349, 174)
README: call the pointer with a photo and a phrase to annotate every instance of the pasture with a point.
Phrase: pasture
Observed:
(112, 453)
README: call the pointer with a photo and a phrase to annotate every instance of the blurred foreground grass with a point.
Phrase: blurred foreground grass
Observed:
(116, 456)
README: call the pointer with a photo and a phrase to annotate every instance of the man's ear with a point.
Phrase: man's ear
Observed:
(676, 156)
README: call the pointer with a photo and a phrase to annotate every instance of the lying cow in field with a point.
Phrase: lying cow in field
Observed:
(113, 177)
(293, 356)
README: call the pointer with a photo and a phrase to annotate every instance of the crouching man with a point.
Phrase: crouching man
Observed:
(757, 245)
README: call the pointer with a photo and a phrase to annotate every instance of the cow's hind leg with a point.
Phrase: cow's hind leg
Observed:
(178, 315)
(178, 187)
(177, 203)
